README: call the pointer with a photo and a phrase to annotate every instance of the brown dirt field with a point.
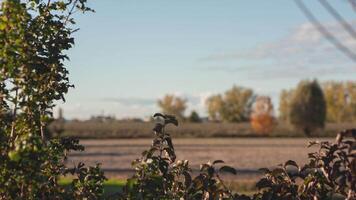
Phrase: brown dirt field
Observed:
(247, 155)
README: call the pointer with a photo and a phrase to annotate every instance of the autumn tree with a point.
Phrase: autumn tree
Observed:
(173, 105)
(233, 106)
(237, 104)
(214, 105)
(351, 88)
(262, 116)
(285, 99)
(340, 100)
(308, 107)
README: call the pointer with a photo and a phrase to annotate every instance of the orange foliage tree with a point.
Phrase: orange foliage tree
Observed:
(262, 116)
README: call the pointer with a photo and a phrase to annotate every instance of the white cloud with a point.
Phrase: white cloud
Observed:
(303, 52)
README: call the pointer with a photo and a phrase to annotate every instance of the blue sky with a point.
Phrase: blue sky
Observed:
(130, 53)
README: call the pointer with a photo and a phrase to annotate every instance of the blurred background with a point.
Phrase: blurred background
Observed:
(130, 53)
(250, 81)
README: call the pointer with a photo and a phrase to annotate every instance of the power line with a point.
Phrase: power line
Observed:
(339, 18)
(353, 4)
(330, 37)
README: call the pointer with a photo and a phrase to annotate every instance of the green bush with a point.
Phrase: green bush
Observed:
(34, 35)
(330, 173)
(159, 176)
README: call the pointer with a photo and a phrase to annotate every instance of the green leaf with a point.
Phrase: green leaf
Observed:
(228, 169)
(14, 156)
(218, 161)
(263, 183)
(159, 115)
(264, 170)
(278, 171)
(187, 179)
(2, 26)
(291, 162)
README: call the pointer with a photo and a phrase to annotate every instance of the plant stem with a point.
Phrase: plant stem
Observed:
(14, 113)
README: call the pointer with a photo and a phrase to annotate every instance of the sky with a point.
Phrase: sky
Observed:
(130, 53)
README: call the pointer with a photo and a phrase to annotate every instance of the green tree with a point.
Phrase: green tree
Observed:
(214, 105)
(194, 117)
(308, 107)
(173, 105)
(34, 36)
(351, 100)
(341, 101)
(237, 103)
(234, 106)
(285, 99)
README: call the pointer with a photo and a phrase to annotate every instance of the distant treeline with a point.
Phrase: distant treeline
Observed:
(236, 104)
(307, 107)
(240, 111)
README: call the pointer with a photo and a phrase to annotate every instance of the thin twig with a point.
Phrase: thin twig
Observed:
(48, 3)
(42, 129)
(70, 11)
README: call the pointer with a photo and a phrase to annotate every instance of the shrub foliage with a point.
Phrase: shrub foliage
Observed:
(34, 35)
(159, 176)
(329, 174)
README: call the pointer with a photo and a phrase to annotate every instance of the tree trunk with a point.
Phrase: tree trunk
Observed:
(307, 132)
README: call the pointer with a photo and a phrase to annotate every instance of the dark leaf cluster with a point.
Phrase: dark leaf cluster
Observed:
(329, 174)
(160, 176)
(34, 38)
